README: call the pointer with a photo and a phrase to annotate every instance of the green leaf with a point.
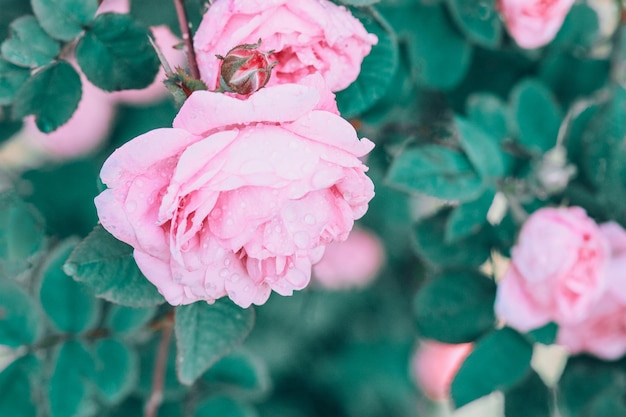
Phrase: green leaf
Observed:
(8, 128)
(20, 318)
(126, 320)
(583, 380)
(456, 307)
(580, 30)
(51, 94)
(440, 55)
(481, 148)
(545, 335)
(15, 386)
(116, 370)
(490, 113)
(74, 214)
(21, 232)
(64, 19)
(359, 3)
(240, 372)
(478, 20)
(537, 115)
(467, 219)
(376, 70)
(115, 54)
(11, 10)
(12, 77)
(435, 171)
(207, 332)
(107, 267)
(498, 361)
(224, 407)
(70, 307)
(609, 404)
(67, 392)
(429, 236)
(28, 45)
(529, 398)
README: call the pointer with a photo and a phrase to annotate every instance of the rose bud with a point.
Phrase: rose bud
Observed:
(245, 69)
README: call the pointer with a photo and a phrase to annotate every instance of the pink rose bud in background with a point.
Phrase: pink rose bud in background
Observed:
(245, 69)
(534, 23)
(557, 271)
(83, 134)
(352, 263)
(240, 197)
(435, 365)
(308, 36)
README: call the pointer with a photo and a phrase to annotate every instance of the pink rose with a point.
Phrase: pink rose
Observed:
(83, 134)
(534, 23)
(557, 271)
(351, 263)
(435, 365)
(240, 197)
(603, 333)
(308, 36)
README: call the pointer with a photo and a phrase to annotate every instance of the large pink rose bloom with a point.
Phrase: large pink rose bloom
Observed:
(435, 365)
(534, 23)
(240, 197)
(557, 271)
(603, 333)
(352, 263)
(308, 36)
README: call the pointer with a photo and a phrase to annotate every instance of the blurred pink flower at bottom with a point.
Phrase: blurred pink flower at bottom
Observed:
(435, 365)
(351, 263)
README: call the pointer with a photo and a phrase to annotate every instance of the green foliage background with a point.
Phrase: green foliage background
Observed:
(460, 116)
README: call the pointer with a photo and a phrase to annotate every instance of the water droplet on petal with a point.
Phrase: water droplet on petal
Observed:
(229, 222)
(234, 277)
(246, 288)
(309, 219)
(216, 213)
(226, 261)
(224, 272)
(131, 206)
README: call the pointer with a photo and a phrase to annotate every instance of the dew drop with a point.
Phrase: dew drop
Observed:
(234, 277)
(309, 219)
(229, 222)
(205, 245)
(226, 261)
(246, 288)
(224, 272)
(131, 206)
(139, 183)
(216, 213)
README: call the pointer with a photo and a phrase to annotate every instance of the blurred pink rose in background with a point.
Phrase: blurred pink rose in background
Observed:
(83, 134)
(557, 271)
(352, 263)
(603, 333)
(240, 197)
(309, 36)
(435, 365)
(534, 23)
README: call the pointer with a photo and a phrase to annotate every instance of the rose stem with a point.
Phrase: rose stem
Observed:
(183, 22)
(158, 378)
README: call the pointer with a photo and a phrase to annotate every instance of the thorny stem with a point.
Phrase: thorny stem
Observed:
(158, 378)
(183, 22)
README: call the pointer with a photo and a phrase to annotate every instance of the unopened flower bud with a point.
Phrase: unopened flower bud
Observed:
(245, 69)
